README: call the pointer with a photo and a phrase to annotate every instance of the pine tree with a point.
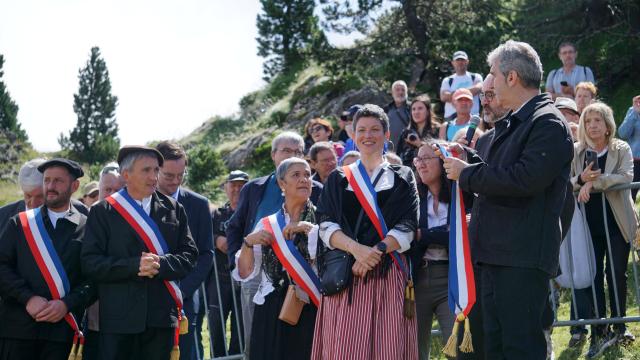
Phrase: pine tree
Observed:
(95, 137)
(285, 28)
(9, 110)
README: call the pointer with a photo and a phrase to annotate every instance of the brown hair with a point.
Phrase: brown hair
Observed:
(171, 151)
(431, 122)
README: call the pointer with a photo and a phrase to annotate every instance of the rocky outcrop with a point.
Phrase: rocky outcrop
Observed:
(10, 150)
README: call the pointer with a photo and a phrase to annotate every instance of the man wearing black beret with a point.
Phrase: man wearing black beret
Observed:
(42, 290)
(137, 248)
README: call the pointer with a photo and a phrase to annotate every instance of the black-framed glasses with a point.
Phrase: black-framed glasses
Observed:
(489, 95)
(423, 159)
(171, 177)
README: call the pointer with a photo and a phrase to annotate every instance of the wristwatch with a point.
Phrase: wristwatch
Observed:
(382, 246)
(244, 241)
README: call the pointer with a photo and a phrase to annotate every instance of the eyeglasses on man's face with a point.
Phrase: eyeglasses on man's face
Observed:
(489, 95)
(171, 177)
(291, 152)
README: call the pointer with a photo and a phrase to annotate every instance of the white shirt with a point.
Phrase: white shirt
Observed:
(176, 194)
(436, 218)
(266, 286)
(54, 216)
(145, 203)
(387, 179)
(459, 82)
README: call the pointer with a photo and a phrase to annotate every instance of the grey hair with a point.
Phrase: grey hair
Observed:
(374, 111)
(284, 166)
(320, 146)
(399, 82)
(287, 137)
(29, 177)
(127, 163)
(111, 168)
(519, 57)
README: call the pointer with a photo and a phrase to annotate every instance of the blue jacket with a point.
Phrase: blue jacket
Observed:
(242, 221)
(197, 208)
(629, 131)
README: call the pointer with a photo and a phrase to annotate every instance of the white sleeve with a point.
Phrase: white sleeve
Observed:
(257, 259)
(479, 79)
(445, 85)
(327, 228)
(404, 238)
(312, 242)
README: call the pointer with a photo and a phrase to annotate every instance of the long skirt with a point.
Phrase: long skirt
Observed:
(373, 326)
(272, 338)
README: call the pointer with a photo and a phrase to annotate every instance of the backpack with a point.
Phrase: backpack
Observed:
(552, 74)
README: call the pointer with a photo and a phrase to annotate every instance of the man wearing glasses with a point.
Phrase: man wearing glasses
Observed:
(170, 179)
(491, 114)
(562, 81)
(259, 198)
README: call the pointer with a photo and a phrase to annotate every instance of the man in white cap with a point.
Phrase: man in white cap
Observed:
(461, 78)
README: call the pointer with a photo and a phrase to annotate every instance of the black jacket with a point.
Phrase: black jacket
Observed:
(111, 258)
(521, 189)
(197, 208)
(11, 209)
(242, 221)
(20, 278)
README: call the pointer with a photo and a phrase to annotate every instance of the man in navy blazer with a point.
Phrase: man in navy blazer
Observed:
(196, 206)
(259, 198)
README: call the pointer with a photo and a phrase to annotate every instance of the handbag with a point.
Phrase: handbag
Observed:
(335, 266)
(291, 307)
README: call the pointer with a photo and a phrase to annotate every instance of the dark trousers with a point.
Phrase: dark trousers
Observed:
(91, 345)
(584, 298)
(221, 307)
(153, 343)
(19, 349)
(513, 301)
(636, 177)
(475, 321)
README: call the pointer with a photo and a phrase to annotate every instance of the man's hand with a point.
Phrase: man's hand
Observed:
(453, 167)
(221, 244)
(35, 305)
(149, 265)
(636, 104)
(53, 312)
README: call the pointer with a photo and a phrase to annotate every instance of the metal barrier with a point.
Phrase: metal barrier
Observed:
(598, 320)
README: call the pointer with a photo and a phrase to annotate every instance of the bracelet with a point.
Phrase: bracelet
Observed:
(244, 241)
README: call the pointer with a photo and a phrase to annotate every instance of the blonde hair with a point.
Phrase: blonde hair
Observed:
(589, 86)
(604, 111)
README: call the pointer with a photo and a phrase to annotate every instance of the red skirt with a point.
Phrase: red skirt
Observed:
(373, 326)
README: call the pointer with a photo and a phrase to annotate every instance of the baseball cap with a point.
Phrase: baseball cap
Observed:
(566, 103)
(462, 93)
(237, 175)
(90, 188)
(460, 55)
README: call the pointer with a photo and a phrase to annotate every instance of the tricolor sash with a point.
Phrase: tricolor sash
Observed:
(150, 234)
(291, 258)
(366, 194)
(49, 264)
(462, 288)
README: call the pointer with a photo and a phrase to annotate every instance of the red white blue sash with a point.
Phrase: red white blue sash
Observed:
(462, 288)
(291, 259)
(48, 261)
(151, 236)
(366, 194)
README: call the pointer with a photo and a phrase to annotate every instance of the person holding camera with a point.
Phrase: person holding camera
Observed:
(602, 161)
(422, 125)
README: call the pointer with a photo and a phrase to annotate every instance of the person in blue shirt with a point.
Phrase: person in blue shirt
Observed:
(629, 131)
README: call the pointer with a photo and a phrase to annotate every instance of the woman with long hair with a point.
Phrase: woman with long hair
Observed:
(422, 125)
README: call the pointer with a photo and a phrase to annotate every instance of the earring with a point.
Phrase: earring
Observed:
(282, 192)
(606, 133)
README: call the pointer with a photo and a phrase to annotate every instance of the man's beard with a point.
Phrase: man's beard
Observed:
(61, 200)
(491, 117)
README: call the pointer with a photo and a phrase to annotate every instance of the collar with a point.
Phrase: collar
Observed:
(524, 112)
(72, 215)
(176, 194)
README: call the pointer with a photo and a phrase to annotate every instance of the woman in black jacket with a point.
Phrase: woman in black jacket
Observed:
(422, 125)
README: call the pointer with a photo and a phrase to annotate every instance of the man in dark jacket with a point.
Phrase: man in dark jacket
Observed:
(30, 181)
(398, 111)
(197, 208)
(515, 235)
(40, 244)
(134, 275)
(259, 198)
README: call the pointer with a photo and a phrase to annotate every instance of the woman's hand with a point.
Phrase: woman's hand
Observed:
(261, 237)
(585, 192)
(359, 270)
(589, 175)
(295, 227)
(365, 255)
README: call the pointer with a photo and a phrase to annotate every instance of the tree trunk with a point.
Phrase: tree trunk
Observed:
(418, 30)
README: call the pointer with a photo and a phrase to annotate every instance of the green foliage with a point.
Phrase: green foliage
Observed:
(220, 128)
(205, 164)
(285, 28)
(9, 109)
(95, 136)
(259, 162)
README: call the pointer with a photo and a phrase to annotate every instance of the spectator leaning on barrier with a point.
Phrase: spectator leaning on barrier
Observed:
(630, 132)
(459, 80)
(221, 303)
(398, 111)
(586, 93)
(562, 81)
(614, 167)
(423, 125)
